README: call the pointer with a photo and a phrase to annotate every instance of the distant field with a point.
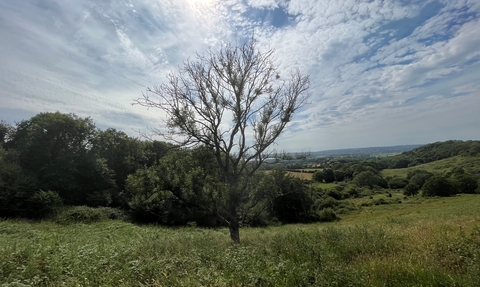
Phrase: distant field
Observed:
(306, 174)
(302, 175)
(420, 242)
(469, 164)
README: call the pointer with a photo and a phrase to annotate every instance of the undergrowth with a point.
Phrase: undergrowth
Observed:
(433, 243)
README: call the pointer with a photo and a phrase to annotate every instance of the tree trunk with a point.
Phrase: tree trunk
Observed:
(234, 229)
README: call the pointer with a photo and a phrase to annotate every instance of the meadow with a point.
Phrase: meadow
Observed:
(471, 165)
(419, 242)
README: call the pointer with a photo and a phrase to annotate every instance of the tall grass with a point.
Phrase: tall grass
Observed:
(434, 242)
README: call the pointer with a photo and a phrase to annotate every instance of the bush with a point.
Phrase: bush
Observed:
(327, 215)
(369, 179)
(81, 214)
(352, 191)
(318, 176)
(465, 183)
(334, 193)
(438, 186)
(113, 213)
(380, 201)
(418, 177)
(397, 182)
(411, 189)
(43, 203)
(328, 202)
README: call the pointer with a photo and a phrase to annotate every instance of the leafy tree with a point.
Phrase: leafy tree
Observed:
(369, 179)
(438, 186)
(401, 163)
(328, 175)
(176, 191)
(6, 132)
(43, 203)
(54, 150)
(121, 155)
(291, 200)
(318, 176)
(397, 182)
(465, 183)
(339, 175)
(15, 187)
(418, 177)
(411, 189)
(235, 102)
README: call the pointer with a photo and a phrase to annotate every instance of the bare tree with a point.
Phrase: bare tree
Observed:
(234, 102)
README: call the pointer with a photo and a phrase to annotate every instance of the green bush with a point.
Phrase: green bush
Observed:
(369, 179)
(43, 203)
(380, 201)
(438, 186)
(418, 177)
(327, 215)
(397, 182)
(81, 214)
(465, 183)
(411, 189)
(114, 213)
(328, 202)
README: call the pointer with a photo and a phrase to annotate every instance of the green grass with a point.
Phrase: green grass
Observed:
(420, 242)
(470, 164)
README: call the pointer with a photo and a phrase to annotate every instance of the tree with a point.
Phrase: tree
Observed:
(15, 187)
(234, 102)
(6, 132)
(122, 154)
(465, 183)
(54, 150)
(397, 182)
(418, 177)
(176, 190)
(369, 179)
(438, 186)
(328, 175)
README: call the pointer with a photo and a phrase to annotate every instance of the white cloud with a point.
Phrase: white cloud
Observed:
(373, 64)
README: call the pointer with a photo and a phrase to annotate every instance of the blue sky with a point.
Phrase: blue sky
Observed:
(382, 72)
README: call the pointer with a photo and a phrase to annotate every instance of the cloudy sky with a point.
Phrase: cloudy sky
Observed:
(382, 72)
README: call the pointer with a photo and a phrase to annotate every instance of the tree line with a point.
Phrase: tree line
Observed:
(54, 159)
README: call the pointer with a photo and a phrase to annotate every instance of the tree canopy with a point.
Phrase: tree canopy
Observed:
(235, 102)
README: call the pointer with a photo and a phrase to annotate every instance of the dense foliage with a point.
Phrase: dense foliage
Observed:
(54, 160)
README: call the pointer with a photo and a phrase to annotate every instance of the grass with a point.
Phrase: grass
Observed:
(301, 175)
(420, 242)
(470, 164)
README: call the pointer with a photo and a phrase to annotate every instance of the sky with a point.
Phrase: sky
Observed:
(382, 72)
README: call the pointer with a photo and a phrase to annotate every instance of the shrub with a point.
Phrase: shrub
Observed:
(397, 182)
(380, 201)
(43, 203)
(352, 191)
(438, 186)
(318, 176)
(369, 179)
(334, 193)
(327, 215)
(328, 202)
(113, 213)
(80, 214)
(418, 177)
(411, 189)
(465, 183)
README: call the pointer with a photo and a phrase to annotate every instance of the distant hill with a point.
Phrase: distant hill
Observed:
(435, 151)
(364, 152)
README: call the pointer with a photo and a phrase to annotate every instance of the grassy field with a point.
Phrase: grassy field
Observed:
(420, 242)
(301, 175)
(470, 164)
